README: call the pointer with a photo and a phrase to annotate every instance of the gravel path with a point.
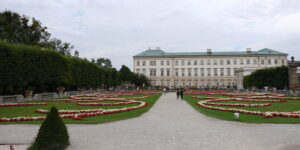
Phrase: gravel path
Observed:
(170, 125)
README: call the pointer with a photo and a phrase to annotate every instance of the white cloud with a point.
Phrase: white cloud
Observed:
(120, 29)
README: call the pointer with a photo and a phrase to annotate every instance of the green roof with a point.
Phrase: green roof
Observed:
(264, 51)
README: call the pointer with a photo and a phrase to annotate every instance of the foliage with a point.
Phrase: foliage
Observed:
(271, 77)
(53, 134)
(103, 62)
(134, 78)
(44, 70)
(18, 29)
(15, 28)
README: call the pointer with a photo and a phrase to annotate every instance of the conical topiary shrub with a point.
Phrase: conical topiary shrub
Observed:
(53, 134)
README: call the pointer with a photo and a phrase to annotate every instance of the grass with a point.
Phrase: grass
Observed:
(292, 105)
(30, 111)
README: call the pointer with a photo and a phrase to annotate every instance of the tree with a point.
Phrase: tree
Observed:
(53, 134)
(104, 62)
(18, 29)
(15, 28)
(76, 54)
(126, 74)
(271, 77)
(63, 48)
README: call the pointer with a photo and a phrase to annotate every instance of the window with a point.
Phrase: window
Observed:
(138, 63)
(269, 61)
(276, 61)
(282, 61)
(215, 62)
(235, 71)
(208, 62)
(144, 63)
(222, 62)
(162, 72)
(202, 72)
(152, 72)
(254, 61)
(153, 63)
(262, 62)
(234, 62)
(168, 63)
(228, 72)
(176, 72)
(201, 62)
(189, 62)
(215, 71)
(248, 61)
(182, 62)
(241, 61)
(189, 72)
(195, 72)
(168, 72)
(176, 62)
(182, 72)
(208, 71)
(222, 71)
(228, 61)
(161, 62)
(195, 62)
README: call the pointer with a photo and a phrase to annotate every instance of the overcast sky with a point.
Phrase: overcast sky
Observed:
(119, 29)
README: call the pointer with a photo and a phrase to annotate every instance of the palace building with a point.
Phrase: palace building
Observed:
(204, 69)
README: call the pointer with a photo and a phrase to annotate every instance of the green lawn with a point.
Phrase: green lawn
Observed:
(30, 111)
(292, 105)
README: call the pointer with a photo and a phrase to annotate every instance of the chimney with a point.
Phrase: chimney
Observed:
(208, 51)
(248, 50)
(157, 48)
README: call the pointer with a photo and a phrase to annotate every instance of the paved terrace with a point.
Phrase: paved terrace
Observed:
(170, 125)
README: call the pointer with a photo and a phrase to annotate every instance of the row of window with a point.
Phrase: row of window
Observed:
(188, 72)
(202, 84)
(214, 62)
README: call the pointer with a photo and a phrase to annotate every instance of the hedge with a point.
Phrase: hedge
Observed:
(29, 67)
(271, 77)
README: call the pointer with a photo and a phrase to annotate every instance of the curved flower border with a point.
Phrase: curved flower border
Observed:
(250, 98)
(81, 100)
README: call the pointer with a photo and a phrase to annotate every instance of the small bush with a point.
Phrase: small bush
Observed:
(53, 134)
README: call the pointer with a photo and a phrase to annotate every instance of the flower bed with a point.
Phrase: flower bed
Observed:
(84, 100)
(22, 104)
(213, 103)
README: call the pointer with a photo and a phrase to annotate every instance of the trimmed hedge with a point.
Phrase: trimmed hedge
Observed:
(29, 67)
(271, 77)
(53, 134)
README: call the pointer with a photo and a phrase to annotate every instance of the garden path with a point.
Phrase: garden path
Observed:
(170, 125)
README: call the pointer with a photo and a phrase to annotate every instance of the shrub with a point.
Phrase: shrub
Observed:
(53, 134)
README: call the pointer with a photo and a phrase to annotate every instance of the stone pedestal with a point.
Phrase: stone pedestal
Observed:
(60, 93)
(240, 78)
(28, 95)
(293, 76)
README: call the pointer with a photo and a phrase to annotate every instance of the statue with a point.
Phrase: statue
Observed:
(293, 59)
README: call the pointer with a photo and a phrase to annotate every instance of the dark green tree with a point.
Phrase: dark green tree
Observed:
(15, 28)
(18, 29)
(271, 77)
(53, 134)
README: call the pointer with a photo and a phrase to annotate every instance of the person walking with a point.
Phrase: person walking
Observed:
(181, 94)
(177, 93)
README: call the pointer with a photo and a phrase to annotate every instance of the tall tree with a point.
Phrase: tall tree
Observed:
(15, 28)
(104, 62)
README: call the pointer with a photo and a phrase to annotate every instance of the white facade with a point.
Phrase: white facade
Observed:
(201, 70)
